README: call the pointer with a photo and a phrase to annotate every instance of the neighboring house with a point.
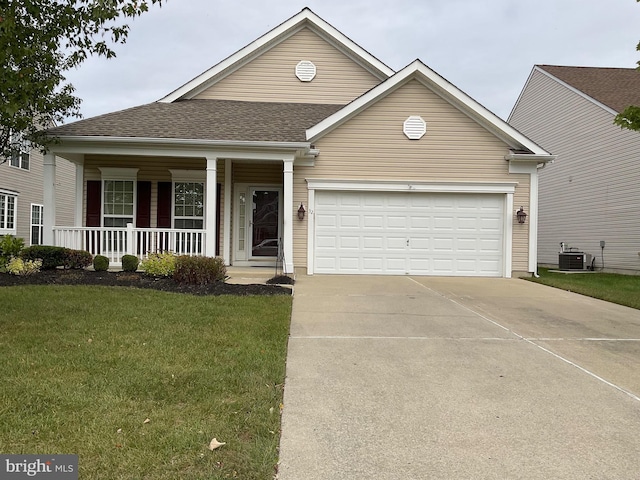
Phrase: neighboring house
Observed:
(22, 203)
(592, 192)
(304, 139)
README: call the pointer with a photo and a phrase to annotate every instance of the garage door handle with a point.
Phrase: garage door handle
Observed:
(407, 242)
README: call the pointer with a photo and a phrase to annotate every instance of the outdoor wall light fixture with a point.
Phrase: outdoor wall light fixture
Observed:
(522, 216)
(301, 212)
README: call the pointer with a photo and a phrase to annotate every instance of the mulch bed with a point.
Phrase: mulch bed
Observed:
(136, 280)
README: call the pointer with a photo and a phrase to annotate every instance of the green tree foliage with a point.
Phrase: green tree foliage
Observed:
(39, 41)
(630, 117)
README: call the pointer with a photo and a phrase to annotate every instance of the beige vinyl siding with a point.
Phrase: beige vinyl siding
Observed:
(372, 146)
(271, 76)
(30, 186)
(591, 192)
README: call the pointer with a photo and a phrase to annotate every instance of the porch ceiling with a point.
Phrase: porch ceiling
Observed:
(205, 120)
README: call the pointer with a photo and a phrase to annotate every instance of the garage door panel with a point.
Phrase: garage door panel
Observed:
(373, 221)
(419, 222)
(408, 233)
(349, 243)
(397, 243)
(373, 243)
(396, 222)
(324, 220)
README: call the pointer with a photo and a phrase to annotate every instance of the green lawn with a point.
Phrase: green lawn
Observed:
(622, 289)
(84, 367)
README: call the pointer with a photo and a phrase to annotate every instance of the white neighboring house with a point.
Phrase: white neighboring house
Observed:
(592, 192)
(22, 203)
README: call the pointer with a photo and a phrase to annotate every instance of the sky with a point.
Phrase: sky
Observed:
(485, 48)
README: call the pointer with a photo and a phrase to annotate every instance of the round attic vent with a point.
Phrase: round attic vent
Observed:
(415, 127)
(305, 71)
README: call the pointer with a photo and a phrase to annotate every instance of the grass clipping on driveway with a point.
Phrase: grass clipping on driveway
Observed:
(612, 287)
(138, 382)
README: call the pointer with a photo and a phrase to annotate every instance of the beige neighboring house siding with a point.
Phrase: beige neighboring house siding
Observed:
(592, 191)
(29, 185)
(271, 76)
(372, 146)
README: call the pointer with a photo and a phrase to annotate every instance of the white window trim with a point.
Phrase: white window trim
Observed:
(14, 195)
(40, 225)
(119, 174)
(25, 147)
(188, 176)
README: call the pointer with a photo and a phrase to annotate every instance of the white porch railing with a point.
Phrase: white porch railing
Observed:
(114, 242)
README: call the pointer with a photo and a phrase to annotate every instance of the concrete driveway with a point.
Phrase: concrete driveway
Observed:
(457, 378)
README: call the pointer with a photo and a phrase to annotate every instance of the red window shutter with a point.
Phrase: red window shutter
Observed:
(164, 204)
(94, 202)
(143, 208)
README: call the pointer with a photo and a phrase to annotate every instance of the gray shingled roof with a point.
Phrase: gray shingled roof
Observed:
(617, 88)
(206, 120)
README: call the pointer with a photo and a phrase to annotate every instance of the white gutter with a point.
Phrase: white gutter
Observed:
(180, 142)
(529, 157)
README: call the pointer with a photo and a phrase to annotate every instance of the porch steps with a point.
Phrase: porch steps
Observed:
(249, 275)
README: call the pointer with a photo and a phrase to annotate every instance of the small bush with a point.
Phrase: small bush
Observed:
(199, 270)
(100, 263)
(130, 263)
(159, 264)
(18, 266)
(52, 257)
(10, 246)
(77, 259)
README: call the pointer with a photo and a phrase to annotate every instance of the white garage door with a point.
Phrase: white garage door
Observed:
(408, 233)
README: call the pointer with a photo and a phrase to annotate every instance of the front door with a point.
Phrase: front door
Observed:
(265, 222)
(257, 221)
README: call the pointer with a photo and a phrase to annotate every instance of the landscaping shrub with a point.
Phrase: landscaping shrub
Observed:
(10, 246)
(199, 270)
(130, 263)
(159, 264)
(77, 259)
(18, 266)
(100, 263)
(52, 257)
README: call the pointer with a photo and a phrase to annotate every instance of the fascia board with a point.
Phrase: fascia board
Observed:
(526, 84)
(271, 38)
(444, 89)
(173, 146)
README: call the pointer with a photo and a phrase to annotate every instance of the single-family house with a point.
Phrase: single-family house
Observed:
(303, 146)
(589, 196)
(22, 204)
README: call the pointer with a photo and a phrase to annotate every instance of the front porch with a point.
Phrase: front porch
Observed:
(159, 201)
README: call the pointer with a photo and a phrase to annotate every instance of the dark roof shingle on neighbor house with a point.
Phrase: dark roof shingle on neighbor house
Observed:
(205, 120)
(617, 88)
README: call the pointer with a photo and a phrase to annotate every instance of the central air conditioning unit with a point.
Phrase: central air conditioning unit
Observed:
(574, 261)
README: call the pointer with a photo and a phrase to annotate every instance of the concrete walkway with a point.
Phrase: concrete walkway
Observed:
(444, 378)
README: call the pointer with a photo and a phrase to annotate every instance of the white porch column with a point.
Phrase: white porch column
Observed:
(211, 207)
(49, 198)
(533, 221)
(287, 223)
(226, 228)
(79, 193)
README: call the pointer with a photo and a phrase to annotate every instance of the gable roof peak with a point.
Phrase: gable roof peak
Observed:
(306, 17)
(440, 86)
